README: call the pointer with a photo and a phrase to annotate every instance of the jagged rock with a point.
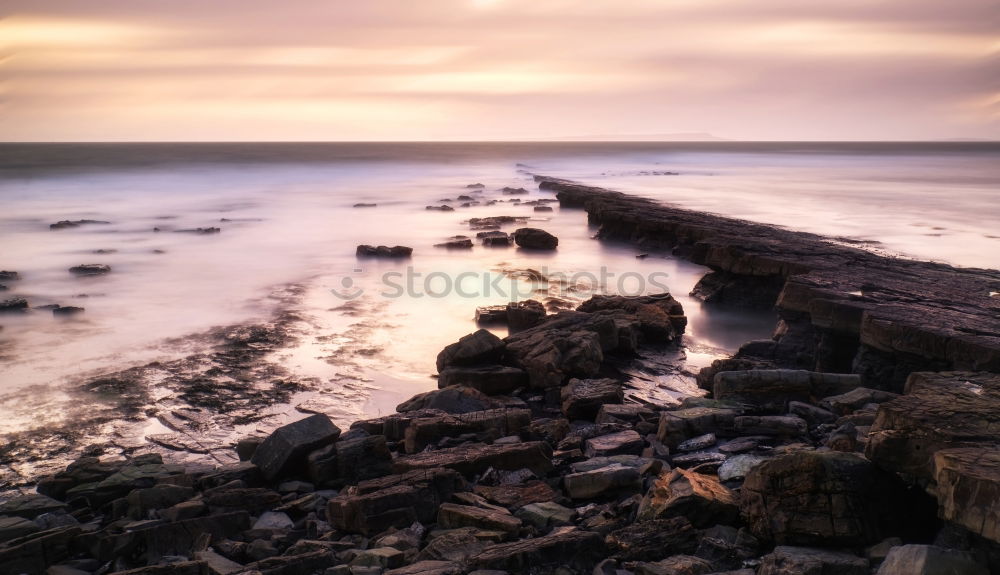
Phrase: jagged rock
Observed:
(968, 488)
(681, 493)
(35, 553)
(251, 499)
(625, 442)
(938, 411)
(524, 314)
(472, 458)
(676, 565)
(846, 403)
(367, 251)
(808, 561)
(814, 498)
(287, 447)
(456, 545)
(480, 347)
(349, 461)
(509, 191)
(64, 224)
(30, 506)
(491, 315)
(490, 379)
(441, 208)
(15, 527)
(563, 547)
(661, 317)
(184, 510)
(452, 516)
(682, 424)
(535, 239)
(426, 431)
(583, 398)
(698, 459)
(625, 413)
(606, 480)
(121, 482)
(67, 311)
(217, 564)
(552, 356)
(543, 208)
(653, 540)
(781, 425)
(292, 564)
(514, 496)
(90, 269)
(929, 560)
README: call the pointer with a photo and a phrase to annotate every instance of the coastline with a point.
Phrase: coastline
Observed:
(644, 486)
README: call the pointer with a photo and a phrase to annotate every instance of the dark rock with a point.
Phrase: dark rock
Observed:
(607, 480)
(491, 315)
(441, 208)
(808, 561)
(968, 488)
(364, 205)
(661, 317)
(90, 269)
(37, 552)
(855, 399)
(812, 414)
(813, 498)
(929, 560)
(151, 541)
(490, 379)
(9, 276)
(566, 547)
(250, 499)
(455, 399)
(349, 460)
(15, 527)
(697, 443)
(542, 209)
(480, 347)
(394, 501)
(456, 545)
(463, 243)
(199, 231)
(451, 516)
(699, 498)
(653, 540)
(535, 239)
(427, 431)
(64, 224)
(781, 425)
(30, 506)
(142, 501)
(475, 458)
(494, 238)
(287, 447)
(525, 314)
(546, 514)
(727, 547)
(626, 442)
(682, 424)
(676, 565)
(583, 398)
(508, 191)
(67, 311)
(368, 251)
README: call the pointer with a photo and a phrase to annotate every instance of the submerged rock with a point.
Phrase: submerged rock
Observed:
(477, 348)
(64, 224)
(90, 269)
(384, 251)
(17, 304)
(535, 239)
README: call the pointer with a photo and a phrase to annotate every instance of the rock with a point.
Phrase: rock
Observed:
(34, 554)
(441, 208)
(568, 344)
(621, 443)
(494, 238)
(394, 501)
(428, 568)
(546, 514)
(480, 347)
(929, 560)
(427, 431)
(938, 411)
(543, 209)
(780, 425)
(661, 317)
(349, 461)
(968, 488)
(626, 413)
(535, 239)
(682, 424)
(452, 516)
(14, 527)
(199, 231)
(364, 205)
(90, 269)
(472, 458)
(142, 501)
(67, 311)
(287, 447)
(698, 443)
(462, 243)
(812, 414)
(456, 399)
(368, 251)
(456, 545)
(652, 540)
(136, 475)
(607, 480)
(491, 315)
(251, 499)
(217, 564)
(153, 540)
(184, 510)
(698, 459)
(273, 521)
(13, 305)
(508, 191)
(727, 547)
(767, 390)
(846, 403)
(489, 379)
(563, 547)
(738, 466)
(583, 398)
(64, 224)
(9, 276)
(699, 498)
(676, 565)
(30, 506)
(525, 314)
(808, 561)
(814, 498)
(385, 557)
(514, 496)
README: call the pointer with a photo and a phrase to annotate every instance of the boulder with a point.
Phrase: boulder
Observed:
(525, 314)
(738, 466)
(461, 243)
(786, 560)
(766, 390)
(489, 379)
(682, 424)
(441, 208)
(820, 498)
(30, 506)
(570, 546)
(660, 316)
(535, 239)
(15, 527)
(514, 496)
(90, 269)
(287, 447)
(7, 276)
(968, 488)
(67, 311)
(509, 191)
(682, 493)
(142, 501)
(367, 251)
(478, 348)
(349, 461)
(13, 305)
(472, 458)
(566, 345)
(929, 560)
(427, 431)
(583, 398)
(727, 547)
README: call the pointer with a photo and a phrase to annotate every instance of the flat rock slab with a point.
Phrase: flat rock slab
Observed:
(799, 560)
(968, 488)
(567, 547)
(475, 458)
(626, 442)
(452, 516)
(490, 379)
(30, 506)
(938, 411)
(929, 560)
(477, 348)
(290, 444)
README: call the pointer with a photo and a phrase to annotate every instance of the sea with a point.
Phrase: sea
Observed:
(368, 330)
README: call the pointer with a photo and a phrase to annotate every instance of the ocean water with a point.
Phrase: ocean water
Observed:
(374, 327)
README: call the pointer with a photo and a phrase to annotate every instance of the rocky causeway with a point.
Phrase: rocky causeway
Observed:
(864, 437)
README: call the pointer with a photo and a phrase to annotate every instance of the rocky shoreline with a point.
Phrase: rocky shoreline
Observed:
(863, 438)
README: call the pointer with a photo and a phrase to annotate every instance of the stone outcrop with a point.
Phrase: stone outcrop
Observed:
(289, 445)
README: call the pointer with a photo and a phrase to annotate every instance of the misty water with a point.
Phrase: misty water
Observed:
(286, 218)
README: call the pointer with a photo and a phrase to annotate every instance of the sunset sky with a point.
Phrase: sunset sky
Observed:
(498, 69)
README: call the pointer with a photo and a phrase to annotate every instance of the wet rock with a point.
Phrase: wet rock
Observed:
(480, 347)
(287, 447)
(621, 443)
(509, 191)
(364, 205)
(35, 553)
(563, 547)
(699, 498)
(368, 251)
(661, 317)
(142, 501)
(452, 516)
(199, 231)
(968, 488)
(14, 527)
(653, 540)
(766, 390)
(814, 498)
(251, 499)
(455, 399)
(83, 470)
(489, 379)
(30, 506)
(583, 398)
(462, 243)
(393, 501)
(780, 425)
(525, 314)
(727, 547)
(786, 560)
(9, 276)
(65, 224)
(494, 238)
(491, 315)
(67, 311)
(427, 431)
(542, 209)
(938, 411)
(551, 356)
(535, 239)
(475, 458)
(121, 482)
(682, 424)
(929, 560)
(90, 269)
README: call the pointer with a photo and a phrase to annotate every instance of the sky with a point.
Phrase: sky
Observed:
(227, 70)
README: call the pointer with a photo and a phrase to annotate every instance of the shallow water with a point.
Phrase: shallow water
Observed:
(290, 222)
